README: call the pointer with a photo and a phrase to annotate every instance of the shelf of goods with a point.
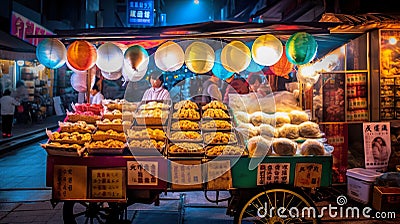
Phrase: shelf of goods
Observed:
(390, 97)
(357, 97)
(161, 137)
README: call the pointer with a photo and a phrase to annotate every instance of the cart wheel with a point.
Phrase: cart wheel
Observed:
(278, 206)
(90, 212)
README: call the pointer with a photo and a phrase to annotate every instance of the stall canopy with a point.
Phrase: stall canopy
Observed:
(220, 30)
(13, 48)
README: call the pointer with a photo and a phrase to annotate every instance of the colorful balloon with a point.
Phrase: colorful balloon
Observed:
(267, 50)
(112, 75)
(136, 57)
(199, 57)
(169, 56)
(301, 48)
(283, 67)
(81, 55)
(109, 57)
(51, 53)
(235, 56)
(218, 69)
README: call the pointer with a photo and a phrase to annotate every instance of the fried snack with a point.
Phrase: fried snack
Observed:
(148, 133)
(80, 126)
(309, 129)
(186, 135)
(186, 104)
(185, 113)
(215, 113)
(289, 131)
(298, 116)
(185, 147)
(281, 118)
(110, 143)
(216, 124)
(215, 105)
(154, 105)
(312, 147)
(185, 125)
(147, 144)
(284, 147)
(224, 150)
(219, 138)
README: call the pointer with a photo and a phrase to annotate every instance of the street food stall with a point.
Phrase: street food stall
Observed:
(264, 150)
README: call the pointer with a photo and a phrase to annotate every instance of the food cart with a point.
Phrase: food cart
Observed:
(108, 157)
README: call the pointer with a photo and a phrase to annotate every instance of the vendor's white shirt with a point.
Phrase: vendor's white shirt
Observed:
(156, 94)
(8, 104)
(97, 98)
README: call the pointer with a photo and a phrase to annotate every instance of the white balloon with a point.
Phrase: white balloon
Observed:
(112, 75)
(109, 57)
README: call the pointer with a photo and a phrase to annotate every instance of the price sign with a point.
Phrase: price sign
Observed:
(186, 174)
(69, 182)
(219, 175)
(308, 175)
(268, 173)
(142, 173)
(108, 183)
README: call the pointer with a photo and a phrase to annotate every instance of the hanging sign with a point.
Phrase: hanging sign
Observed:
(308, 175)
(141, 12)
(22, 26)
(219, 175)
(273, 173)
(69, 182)
(143, 173)
(377, 145)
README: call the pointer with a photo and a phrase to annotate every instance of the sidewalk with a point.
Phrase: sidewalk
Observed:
(24, 134)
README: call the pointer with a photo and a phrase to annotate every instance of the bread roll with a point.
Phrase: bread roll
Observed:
(298, 117)
(312, 147)
(284, 147)
(281, 118)
(259, 146)
(248, 130)
(289, 131)
(257, 118)
(267, 130)
(242, 117)
(309, 129)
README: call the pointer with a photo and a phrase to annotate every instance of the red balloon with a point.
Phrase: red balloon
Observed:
(283, 67)
(82, 55)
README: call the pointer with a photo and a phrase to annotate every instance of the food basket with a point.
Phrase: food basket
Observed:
(103, 137)
(112, 116)
(110, 126)
(70, 141)
(183, 128)
(149, 150)
(223, 151)
(232, 140)
(204, 129)
(185, 153)
(151, 120)
(62, 150)
(185, 139)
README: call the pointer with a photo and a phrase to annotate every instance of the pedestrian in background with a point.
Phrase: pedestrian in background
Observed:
(8, 104)
(97, 97)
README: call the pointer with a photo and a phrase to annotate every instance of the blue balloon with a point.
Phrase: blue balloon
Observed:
(51, 53)
(219, 70)
(253, 67)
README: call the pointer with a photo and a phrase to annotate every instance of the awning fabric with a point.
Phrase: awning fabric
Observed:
(13, 48)
(219, 30)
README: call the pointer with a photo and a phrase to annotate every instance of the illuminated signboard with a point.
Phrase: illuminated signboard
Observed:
(141, 12)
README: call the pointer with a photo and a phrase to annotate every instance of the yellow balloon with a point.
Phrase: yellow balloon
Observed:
(235, 56)
(169, 56)
(267, 50)
(199, 57)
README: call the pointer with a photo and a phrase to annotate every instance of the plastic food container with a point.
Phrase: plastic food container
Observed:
(360, 184)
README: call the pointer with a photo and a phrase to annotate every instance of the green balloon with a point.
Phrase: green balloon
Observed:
(301, 48)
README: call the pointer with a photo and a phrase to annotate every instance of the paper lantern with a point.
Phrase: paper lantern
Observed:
(51, 53)
(82, 55)
(199, 57)
(235, 56)
(73, 69)
(219, 70)
(136, 57)
(132, 75)
(169, 56)
(267, 50)
(112, 75)
(301, 48)
(283, 67)
(79, 82)
(253, 66)
(109, 57)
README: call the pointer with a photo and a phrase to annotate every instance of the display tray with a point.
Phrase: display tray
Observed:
(242, 153)
(174, 119)
(105, 137)
(198, 140)
(112, 116)
(72, 129)
(153, 104)
(110, 126)
(62, 151)
(231, 141)
(108, 151)
(177, 106)
(81, 117)
(147, 137)
(65, 141)
(151, 120)
(187, 153)
(137, 151)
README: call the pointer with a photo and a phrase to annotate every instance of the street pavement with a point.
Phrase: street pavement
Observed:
(24, 198)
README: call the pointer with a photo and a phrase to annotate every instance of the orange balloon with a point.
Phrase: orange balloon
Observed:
(283, 67)
(82, 55)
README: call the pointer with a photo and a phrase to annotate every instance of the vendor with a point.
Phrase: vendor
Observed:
(211, 90)
(96, 96)
(157, 90)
